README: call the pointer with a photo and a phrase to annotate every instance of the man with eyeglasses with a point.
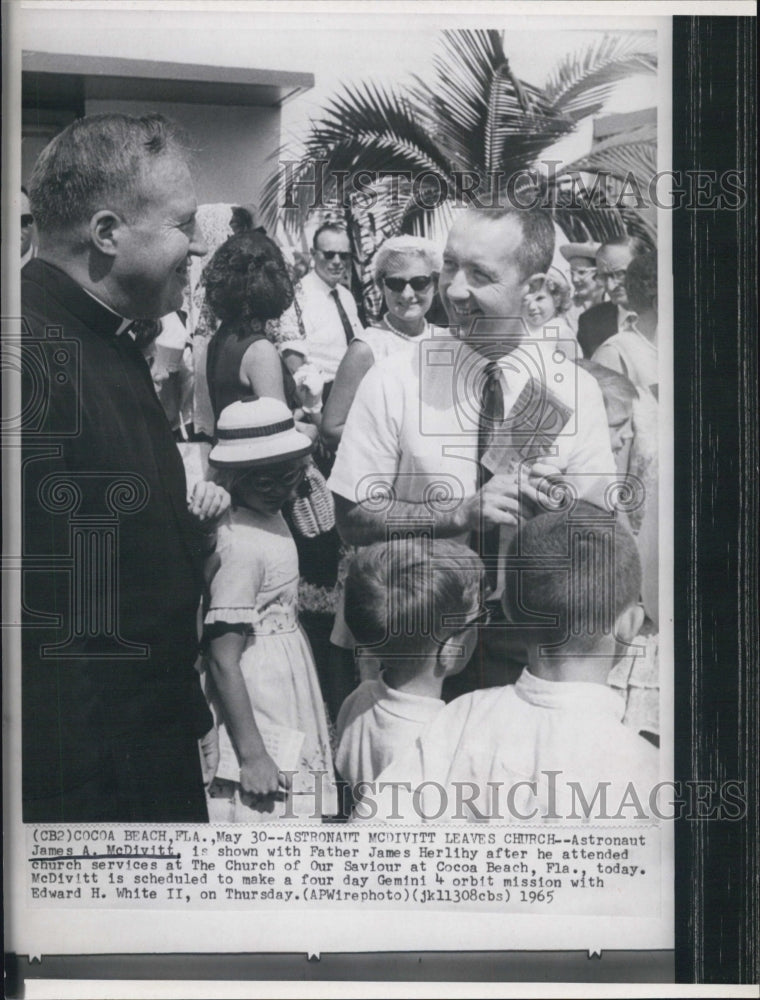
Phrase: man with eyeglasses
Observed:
(27, 228)
(586, 290)
(607, 318)
(328, 310)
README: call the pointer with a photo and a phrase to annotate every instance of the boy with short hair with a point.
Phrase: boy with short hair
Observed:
(413, 602)
(577, 575)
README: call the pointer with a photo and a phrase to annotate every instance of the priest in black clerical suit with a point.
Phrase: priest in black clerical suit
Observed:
(112, 709)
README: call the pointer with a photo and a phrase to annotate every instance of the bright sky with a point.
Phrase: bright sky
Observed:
(339, 57)
(382, 43)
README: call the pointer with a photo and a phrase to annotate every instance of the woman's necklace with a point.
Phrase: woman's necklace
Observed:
(401, 333)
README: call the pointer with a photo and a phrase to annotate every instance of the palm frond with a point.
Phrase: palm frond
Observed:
(584, 79)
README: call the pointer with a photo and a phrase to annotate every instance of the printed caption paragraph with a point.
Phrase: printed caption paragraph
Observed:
(562, 870)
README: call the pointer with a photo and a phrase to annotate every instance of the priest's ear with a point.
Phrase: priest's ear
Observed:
(106, 228)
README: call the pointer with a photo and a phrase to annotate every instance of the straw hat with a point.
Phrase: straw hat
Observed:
(256, 432)
(587, 250)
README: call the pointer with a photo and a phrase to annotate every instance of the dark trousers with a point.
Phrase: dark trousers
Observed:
(141, 778)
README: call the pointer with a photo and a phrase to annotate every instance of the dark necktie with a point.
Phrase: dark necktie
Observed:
(490, 420)
(491, 416)
(348, 329)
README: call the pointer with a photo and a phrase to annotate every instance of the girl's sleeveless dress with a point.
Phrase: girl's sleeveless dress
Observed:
(253, 579)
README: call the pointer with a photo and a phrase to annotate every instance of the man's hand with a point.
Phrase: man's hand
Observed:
(208, 501)
(209, 747)
(542, 484)
(494, 503)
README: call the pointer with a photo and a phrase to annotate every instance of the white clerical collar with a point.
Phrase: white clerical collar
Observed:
(124, 322)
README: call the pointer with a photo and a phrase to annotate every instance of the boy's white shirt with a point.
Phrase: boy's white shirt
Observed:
(377, 722)
(523, 733)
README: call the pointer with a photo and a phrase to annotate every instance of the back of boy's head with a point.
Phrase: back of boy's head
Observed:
(401, 595)
(581, 566)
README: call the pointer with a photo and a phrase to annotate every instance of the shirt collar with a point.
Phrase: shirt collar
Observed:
(123, 323)
(626, 319)
(578, 695)
(322, 284)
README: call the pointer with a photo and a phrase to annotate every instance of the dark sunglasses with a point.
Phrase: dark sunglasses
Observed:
(419, 283)
(344, 255)
(267, 482)
(27, 220)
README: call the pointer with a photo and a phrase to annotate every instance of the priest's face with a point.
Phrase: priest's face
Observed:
(157, 241)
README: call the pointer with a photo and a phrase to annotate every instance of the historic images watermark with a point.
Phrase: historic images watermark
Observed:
(312, 184)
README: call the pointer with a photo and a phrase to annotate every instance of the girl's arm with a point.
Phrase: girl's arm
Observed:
(259, 775)
(261, 370)
(356, 362)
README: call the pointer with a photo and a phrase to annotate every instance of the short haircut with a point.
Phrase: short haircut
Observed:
(635, 244)
(97, 163)
(641, 281)
(536, 250)
(247, 278)
(401, 594)
(587, 600)
(397, 251)
(329, 227)
(613, 385)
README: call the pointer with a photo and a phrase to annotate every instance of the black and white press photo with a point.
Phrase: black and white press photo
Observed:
(341, 481)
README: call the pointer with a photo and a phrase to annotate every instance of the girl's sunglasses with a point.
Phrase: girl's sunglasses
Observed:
(419, 283)
(267, 482)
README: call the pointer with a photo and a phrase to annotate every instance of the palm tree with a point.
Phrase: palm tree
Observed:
(475, 128)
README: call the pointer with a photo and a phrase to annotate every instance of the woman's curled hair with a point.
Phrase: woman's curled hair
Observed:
(247, 278)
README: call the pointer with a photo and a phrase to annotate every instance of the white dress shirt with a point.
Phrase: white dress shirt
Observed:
(325, 336)
(538, 736)
(412, 429)
(375, 723)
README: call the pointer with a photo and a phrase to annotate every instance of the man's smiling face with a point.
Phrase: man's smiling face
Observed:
(481, 282)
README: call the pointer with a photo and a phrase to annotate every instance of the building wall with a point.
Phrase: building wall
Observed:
(232, 144)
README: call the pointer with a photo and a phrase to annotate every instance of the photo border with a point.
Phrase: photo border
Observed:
(716, 536)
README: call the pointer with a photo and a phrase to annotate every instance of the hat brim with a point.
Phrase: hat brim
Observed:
(570, 250)
(249, 454)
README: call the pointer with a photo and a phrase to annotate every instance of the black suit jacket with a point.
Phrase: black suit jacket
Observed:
(112, 560)
(596, 325)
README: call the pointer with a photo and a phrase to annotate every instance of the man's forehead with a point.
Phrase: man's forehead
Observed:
(614, 253)
(167, 181)
(483, 239)
(329, 240)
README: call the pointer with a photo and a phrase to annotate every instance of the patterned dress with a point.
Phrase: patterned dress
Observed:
(253, 579)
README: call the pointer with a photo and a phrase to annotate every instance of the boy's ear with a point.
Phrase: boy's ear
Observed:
(454, 654)
(628, 623)
(105, 227)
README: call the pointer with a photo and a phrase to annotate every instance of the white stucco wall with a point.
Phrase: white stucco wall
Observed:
(231, 144)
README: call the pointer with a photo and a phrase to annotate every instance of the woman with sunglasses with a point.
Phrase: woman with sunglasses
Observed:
(406, 270)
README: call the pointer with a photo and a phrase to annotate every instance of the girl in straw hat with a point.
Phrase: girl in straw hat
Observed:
(265, 690)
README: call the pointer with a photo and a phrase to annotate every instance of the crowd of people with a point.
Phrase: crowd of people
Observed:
(419, 549)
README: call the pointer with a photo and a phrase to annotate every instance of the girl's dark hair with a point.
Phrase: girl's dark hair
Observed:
(247, 279)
